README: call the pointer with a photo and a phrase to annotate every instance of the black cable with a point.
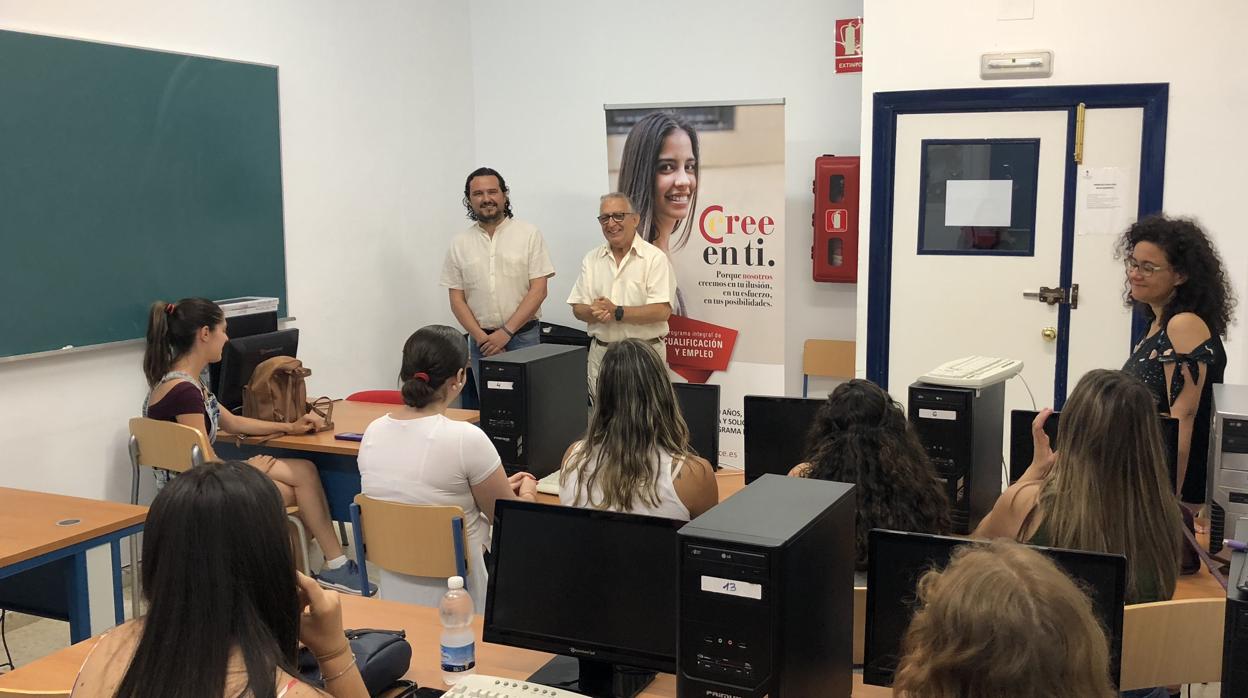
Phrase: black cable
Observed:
(5, 642)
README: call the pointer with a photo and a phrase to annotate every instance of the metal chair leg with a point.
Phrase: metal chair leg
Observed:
(342, 533)
(136, 584)
(303, 543)
(136, 588)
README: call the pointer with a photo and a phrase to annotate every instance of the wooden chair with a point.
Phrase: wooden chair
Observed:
(826, 358)
(1172, 642)
(24, 693)
(416, 540)
(178, 448)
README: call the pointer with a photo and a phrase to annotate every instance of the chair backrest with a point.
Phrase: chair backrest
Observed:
(388, 397)
(413, 539)
(1172, 642)
(829, 358)
(167, 445)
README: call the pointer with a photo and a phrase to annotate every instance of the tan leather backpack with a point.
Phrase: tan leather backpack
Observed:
(277, 393)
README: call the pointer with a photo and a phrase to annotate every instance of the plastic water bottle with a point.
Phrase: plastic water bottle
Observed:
(459, 649)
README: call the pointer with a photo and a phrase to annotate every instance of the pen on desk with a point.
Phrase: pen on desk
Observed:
(1236, 545)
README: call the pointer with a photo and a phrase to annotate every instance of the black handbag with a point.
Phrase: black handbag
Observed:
(383, 657)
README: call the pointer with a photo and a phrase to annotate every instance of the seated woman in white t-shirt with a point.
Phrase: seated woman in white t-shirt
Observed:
(416, 455)
(635, 457)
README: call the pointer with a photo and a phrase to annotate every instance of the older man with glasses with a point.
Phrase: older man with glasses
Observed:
(626, 287)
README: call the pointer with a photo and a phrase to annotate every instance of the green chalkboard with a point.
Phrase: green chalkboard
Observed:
(126, 176)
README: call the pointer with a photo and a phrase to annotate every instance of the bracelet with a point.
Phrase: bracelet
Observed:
(503, 327)
(339, 675)
(331, 655)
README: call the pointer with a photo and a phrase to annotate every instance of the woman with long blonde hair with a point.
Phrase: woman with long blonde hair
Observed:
(1002, 620)
(1106, 489)
(635, 456)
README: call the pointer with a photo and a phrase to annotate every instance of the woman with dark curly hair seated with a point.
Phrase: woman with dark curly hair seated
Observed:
(861, 436)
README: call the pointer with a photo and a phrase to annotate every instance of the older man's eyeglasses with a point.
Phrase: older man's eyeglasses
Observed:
(617, 217)
(1145, 268)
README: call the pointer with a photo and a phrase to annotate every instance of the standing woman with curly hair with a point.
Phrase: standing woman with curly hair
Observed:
(1177, 281)
(861, 436)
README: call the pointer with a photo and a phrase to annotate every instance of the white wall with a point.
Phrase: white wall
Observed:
(936, 45)
(377, 107)
(542, 71)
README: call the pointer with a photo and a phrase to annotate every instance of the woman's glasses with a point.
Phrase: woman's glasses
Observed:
(1145, 268)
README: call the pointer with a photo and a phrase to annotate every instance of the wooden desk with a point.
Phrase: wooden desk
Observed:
(57, 672)
(334, 459)
(1201, 585)
(348, 416)
(730, 481)
(49, 539)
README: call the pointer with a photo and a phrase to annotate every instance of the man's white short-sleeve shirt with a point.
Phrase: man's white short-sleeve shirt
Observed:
(494, 271)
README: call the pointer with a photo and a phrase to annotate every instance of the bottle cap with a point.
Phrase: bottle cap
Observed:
(455, 583)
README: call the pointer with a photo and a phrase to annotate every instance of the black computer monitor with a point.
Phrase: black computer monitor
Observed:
(1021, 448)
(598, 588)
(775, 433)
(699, 405)
(237, 327)
(241, 356)
(896, 560)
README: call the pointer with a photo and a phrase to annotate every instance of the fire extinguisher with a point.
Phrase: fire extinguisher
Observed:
(835, 218)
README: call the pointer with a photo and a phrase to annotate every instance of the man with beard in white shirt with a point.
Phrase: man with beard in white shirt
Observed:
(496, 272)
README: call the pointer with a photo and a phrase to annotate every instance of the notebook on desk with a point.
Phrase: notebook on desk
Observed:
(549, 484)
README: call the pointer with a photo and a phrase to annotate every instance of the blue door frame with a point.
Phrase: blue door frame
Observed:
(1153, 98)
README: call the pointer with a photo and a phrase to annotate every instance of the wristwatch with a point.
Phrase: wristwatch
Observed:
(619, 313)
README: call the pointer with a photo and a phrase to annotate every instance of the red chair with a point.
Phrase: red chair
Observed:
(387, 397)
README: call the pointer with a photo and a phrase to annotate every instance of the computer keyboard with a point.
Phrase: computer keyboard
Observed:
(549, 484)
(485, 686)
(973, 372)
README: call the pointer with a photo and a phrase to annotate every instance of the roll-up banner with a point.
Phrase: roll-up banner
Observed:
(708, 181)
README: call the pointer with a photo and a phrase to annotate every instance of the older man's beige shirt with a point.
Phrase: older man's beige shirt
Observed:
(494, 271)
(642, 277)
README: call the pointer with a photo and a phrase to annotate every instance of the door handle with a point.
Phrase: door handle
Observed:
(1053, 296)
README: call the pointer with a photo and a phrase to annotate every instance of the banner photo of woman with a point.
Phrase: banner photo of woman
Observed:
(707, 181)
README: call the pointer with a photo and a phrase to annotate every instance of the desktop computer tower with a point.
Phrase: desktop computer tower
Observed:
(766, 601)
(1227, 482)
(534, 404)
(960, 428)
(1235, 631)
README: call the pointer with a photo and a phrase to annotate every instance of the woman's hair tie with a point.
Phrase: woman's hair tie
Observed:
(420, 376)
(170, 307)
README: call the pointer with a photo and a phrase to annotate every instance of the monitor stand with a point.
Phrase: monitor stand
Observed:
(592, 677)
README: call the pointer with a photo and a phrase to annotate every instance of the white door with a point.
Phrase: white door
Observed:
(1100, 328)
(953, 303)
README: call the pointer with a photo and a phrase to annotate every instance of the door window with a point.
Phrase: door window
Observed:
(978, 197)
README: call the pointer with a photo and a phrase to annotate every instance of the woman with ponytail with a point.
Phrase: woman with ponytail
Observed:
(416, 455)
(182, 339)
(861, 436)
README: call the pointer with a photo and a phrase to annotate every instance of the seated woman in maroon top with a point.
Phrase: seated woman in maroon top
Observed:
(182, 339)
